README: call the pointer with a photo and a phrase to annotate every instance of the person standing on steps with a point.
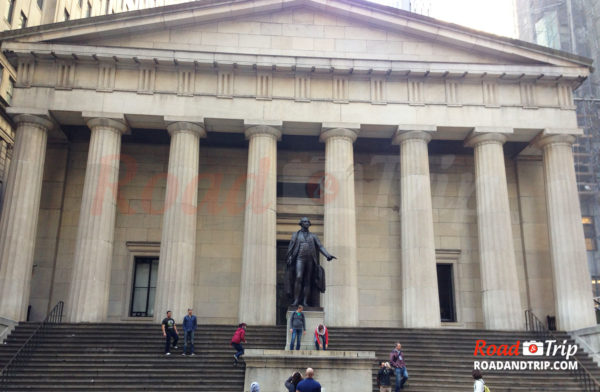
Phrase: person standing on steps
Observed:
(169, 330)
(397, 362)
(190, 323)
(384, 377)
(297, 327)
(238, 338)
(321, 337)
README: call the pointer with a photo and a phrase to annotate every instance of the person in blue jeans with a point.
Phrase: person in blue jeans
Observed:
(297, 327)
(397, 362)
(190, 323)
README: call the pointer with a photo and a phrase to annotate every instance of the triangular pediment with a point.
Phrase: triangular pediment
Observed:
(349, 29)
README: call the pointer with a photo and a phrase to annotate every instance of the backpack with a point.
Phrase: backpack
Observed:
(485, 388)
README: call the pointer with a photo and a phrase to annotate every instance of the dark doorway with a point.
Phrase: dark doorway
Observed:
(282, 299)
(144, 287)
(446, 292)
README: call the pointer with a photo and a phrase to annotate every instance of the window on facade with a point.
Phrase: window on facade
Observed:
(88, 12)
(22, 21)
(547, 30)
(10, 8)
(445, 279)
(40, 3)
(67, 15)
(9, 89)
(299, 189)
(590, 232)
(144, 287)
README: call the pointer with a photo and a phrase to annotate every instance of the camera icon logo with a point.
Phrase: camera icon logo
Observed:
(533, 348)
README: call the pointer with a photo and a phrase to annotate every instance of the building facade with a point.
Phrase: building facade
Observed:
(163, 159)
(570, 25)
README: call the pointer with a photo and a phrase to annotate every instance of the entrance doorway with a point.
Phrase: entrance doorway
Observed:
(446, 292)
(144, 287)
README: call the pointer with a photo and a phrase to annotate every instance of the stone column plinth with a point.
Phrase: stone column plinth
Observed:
(258, 288)
(18, 224)
(499, 280)
(176, 266)
(420, 299)
(340, 300)
(90, 283)
(573, 294)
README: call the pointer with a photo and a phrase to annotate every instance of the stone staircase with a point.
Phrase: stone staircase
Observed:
(129, 357)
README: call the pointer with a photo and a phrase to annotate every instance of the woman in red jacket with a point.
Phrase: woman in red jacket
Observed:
(238, 338)
(321, 337)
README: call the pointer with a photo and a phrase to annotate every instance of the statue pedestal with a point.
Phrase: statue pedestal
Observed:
(335, 370)
(313, 317)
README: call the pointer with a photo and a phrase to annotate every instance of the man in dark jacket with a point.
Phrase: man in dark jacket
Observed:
(397, 362)
(190, 323)
(297, 327)
(302, 262)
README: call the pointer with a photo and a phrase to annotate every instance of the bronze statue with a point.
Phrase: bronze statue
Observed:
(303, 270)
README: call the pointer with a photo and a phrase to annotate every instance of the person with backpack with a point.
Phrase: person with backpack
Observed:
(479, 384)
(238, 338)
(297, 327)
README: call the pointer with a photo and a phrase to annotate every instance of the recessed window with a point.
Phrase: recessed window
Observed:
(589, 232)
(9, 89)
(547, 30)
(10, 8)
(445, 278)
(144, 287)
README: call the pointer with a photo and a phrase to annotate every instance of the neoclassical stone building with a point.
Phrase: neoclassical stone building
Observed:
(434, 161)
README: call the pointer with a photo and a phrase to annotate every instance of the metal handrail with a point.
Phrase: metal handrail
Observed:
(28, 347)
(583, 375)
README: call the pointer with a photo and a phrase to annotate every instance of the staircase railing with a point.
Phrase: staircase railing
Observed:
(582, 374)
(28, 347)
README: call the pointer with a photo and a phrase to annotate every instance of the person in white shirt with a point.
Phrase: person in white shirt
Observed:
(478, 385)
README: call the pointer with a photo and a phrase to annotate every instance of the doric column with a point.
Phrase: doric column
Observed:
(175, 281)
(88, 296)
(573, 294)
(259, 263)
(420, 299)
(340, 301)
(18, 224)
(499, 280)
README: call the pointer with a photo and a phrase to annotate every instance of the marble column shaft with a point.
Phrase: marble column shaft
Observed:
(501, 300)
(176, 266)
(420, 298)
(572, 288)
(258, 289)
(90, 283)
(340, 300)
(18, 224)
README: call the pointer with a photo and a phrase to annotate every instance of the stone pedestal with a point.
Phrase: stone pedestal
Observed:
(18, 225)
(499, 280)
(313, 318)
(336, 371)
(258, 290)
(573, 294)
(176, 276)
(341, 296)
(420, 299)
(88, 296)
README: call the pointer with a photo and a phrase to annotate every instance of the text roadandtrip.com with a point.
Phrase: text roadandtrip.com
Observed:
(531, 349)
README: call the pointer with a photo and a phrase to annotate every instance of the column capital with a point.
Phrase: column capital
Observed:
(108, 123)
(262, 129)
(349, 133)
(34, 120)
(475, 138)
(545, 140)
(184, 126)
(402, 136)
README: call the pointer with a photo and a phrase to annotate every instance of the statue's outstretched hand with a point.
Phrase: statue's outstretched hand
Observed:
(331, 258)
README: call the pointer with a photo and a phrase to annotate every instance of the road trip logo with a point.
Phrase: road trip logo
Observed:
(525, 355)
